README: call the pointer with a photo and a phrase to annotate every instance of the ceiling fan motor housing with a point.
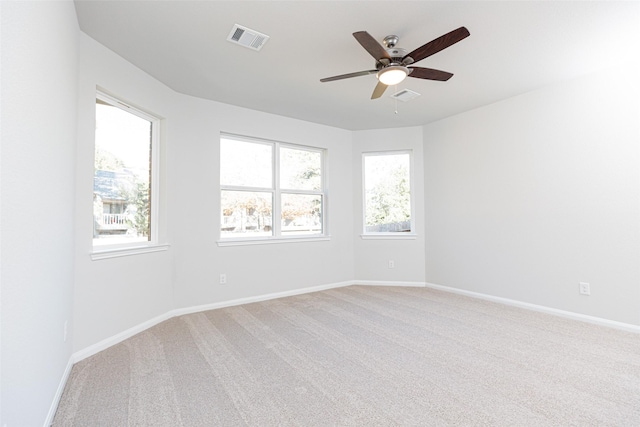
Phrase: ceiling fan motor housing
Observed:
(396, 55)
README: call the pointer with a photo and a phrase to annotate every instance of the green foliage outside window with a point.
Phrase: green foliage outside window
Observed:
(387, 193)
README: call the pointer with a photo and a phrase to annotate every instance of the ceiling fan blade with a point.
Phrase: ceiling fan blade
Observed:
(429, 74)
(436, 45)
(371, 45)
(379, 90)
(347, 76)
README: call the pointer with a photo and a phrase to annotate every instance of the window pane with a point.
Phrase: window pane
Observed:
(122, 176)
(301, 214)
(262, 182)
(387, 193)
(246, 212)
(300, 169)
(245, 164)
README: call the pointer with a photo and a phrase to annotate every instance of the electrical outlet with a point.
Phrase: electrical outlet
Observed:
(66, 324)
(223, 279)
(392, 264)
(585, 289)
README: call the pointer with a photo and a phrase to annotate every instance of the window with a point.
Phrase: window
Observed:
(387, 193)
(270, 190)
(124, 181)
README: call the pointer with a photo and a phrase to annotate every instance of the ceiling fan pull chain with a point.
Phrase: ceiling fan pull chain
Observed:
(396, 99)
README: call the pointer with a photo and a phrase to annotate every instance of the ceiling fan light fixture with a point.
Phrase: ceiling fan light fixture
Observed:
(392, 75)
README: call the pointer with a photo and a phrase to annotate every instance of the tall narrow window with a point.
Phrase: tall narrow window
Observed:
(270, 189)
(124, 187)
(387, 192)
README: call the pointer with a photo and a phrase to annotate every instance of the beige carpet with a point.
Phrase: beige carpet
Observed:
(362, 356)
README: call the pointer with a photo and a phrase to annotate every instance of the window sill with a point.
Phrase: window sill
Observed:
(120, 252)
(389, 236)
(271, 240)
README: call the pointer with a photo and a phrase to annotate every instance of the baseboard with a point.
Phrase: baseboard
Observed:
(56, 398)
(108, 342)
(118, 338)
(515, 303)
(115, 339)
(258, 298)
(388, 283)
(540, 308)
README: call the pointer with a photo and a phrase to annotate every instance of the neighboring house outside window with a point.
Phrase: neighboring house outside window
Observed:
(125, 175)
(388, 204)
(270, 190)
(114, 211)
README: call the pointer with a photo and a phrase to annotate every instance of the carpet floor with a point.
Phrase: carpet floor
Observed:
(361, 356)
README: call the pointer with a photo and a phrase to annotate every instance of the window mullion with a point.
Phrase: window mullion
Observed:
(277, 215)
(324, 191)
(310, 192)
(247, 189)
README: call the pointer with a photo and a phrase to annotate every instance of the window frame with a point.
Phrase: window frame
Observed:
(389, 235)
(276, 192)
(111, 250)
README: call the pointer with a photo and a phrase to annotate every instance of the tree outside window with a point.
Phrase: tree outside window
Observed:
(387, 192)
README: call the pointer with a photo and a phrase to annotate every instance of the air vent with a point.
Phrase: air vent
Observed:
(405, 95)
(247, 37)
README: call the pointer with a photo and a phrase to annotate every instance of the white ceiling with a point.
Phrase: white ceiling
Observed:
(514, 47)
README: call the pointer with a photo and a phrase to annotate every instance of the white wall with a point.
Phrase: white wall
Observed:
(115, 294)
(252, 270)
(528, 197)
(38, 125)
(372, 256)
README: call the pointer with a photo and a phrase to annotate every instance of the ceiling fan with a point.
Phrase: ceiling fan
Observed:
(392, 63)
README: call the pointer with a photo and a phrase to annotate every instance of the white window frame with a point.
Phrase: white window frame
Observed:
(119, 249)
(276, 193)
(389, 235)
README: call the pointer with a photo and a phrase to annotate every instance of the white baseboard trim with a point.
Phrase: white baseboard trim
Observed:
(387, 283)
(56, 398)
(118, 338)
(115, 339)
(108, 342)
(257, 298)
(540, 308)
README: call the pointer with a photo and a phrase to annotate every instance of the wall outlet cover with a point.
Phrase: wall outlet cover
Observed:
(585, 289)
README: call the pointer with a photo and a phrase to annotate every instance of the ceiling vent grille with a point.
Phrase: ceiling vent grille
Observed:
(247, 37)
(405, 95)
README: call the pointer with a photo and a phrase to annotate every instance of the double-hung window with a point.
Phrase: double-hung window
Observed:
(388, 203)
(270, 190)
(125, 190)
